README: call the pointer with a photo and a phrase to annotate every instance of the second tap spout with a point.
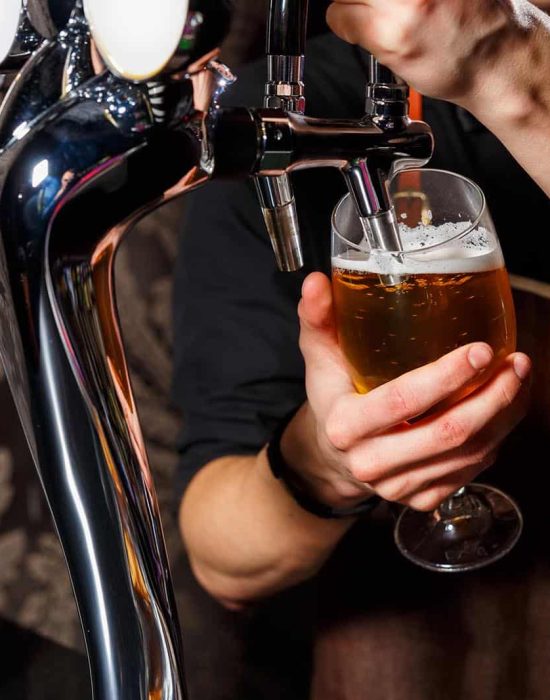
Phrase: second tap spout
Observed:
(284, 89)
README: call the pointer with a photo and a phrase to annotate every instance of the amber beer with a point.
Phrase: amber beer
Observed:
(386, 329)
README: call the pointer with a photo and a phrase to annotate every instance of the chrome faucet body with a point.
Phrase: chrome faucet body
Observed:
(284, 89)
(82, 158)
(387, 109)
(84, 155)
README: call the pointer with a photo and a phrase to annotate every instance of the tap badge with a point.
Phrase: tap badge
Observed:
(136, 38)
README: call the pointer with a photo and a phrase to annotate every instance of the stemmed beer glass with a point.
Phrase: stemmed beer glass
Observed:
(399, 310)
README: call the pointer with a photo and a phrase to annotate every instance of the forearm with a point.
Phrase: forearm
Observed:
(246, 536)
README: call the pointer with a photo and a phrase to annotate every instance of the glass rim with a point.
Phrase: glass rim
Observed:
(416, 251)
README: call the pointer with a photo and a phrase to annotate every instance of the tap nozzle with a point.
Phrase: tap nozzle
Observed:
(387, 107)
(281, 220)
(286, 34)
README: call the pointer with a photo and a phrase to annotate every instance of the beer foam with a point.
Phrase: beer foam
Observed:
(477, 251)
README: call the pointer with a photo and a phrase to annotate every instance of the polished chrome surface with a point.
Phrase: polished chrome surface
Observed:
(285, 83)
(22, 44)
(387, 106)
(387, 96)
(284, 89)
(281, 219)
(82, 158)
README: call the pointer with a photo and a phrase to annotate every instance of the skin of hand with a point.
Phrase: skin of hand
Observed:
(246, 536)
(346, 446)
(448, 49)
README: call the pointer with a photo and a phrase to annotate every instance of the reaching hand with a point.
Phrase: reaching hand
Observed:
(450, 49)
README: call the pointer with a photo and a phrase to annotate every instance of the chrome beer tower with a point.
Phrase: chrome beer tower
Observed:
(84, 154)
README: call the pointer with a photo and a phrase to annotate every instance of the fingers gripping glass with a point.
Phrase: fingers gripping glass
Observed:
(397, 311)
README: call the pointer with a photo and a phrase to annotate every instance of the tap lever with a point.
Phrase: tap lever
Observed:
(386, 107)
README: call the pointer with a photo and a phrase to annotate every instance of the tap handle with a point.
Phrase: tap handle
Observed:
(287, 25)
(386, 106)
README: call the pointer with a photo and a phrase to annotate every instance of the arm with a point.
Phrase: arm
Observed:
(246, 537)
(491, 57)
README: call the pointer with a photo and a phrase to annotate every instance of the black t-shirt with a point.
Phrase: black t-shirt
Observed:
(238, 369)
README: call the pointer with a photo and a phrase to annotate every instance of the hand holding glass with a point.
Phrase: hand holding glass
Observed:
(399, 310)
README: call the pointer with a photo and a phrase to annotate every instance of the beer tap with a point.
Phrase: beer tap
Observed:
(285, 47)
(95, 133)
(387, 107)
(368, 151)
(82, 157)
(401, 143)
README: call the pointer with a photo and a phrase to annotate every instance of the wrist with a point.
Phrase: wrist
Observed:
(311, 470)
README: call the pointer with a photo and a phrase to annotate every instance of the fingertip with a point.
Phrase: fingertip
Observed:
(315, 308)
(480, 355)
(314, 284)
(522, 365)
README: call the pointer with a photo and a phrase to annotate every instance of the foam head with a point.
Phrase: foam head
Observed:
(451, 248)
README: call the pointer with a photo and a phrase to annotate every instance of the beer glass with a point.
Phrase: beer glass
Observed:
(397, 310)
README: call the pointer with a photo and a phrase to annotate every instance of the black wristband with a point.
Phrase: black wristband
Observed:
(284, 473)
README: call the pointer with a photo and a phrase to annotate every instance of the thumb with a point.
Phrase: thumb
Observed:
(325, 365)
(349, 20)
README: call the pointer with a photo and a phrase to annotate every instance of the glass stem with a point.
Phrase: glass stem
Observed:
(463, 504)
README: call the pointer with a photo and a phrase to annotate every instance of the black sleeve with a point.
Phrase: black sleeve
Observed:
(238, 368)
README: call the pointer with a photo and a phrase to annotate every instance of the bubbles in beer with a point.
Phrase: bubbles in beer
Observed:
(452, 289)
(445, 249)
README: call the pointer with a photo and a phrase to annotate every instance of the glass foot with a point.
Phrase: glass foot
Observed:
(473, 528)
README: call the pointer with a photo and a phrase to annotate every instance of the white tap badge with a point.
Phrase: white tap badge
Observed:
(136, 38)
(10, 14)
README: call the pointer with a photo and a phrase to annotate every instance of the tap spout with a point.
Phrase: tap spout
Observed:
(284, 89)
